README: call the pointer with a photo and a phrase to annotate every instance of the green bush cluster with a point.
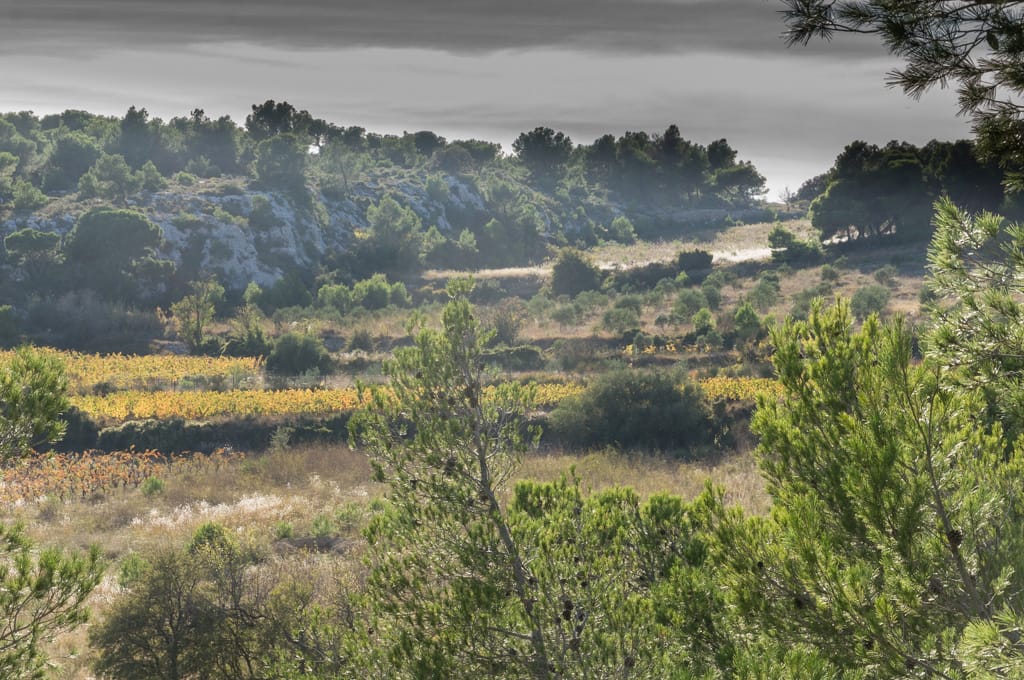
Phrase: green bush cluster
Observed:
(634, 409)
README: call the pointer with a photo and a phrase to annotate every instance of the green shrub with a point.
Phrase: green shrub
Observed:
(133, 568)
(886, 275)
(522, 358)
(829, 273)
(712, 293)
(398, 295)
(802, 300)
(211, 536)
(786, 247)
(643, 278)
(622, 230)
(372, 293)
(573, 273)
(152, 486)
(283, 530)
(619, 320)
(766, 292)
(322, 527)
(287, 291)
(703, 321)
(336, 296)
(688, 302)
(296, 354)
(869, 300)
(632, 408)
(696, 264)
(362, 340)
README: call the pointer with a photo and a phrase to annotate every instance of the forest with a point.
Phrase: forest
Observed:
(288, 400)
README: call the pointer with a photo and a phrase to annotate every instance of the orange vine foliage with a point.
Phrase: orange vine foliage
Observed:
(81, 475)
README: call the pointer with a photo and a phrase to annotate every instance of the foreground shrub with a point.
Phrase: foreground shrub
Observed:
(634, 409)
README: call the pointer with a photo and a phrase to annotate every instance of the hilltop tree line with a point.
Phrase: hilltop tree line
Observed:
(116, 157)
(876, 191)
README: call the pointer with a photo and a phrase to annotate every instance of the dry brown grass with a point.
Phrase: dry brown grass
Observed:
(736, 473)
(254, 496)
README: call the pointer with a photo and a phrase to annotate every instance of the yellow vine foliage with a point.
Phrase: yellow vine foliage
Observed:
(740, 389)
(127, 371)
(197, 405)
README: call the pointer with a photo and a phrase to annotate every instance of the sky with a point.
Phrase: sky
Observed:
(485, 69)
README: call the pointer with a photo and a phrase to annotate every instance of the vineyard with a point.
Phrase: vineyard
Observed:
(86, 474)
(86, 372)
(197, 405)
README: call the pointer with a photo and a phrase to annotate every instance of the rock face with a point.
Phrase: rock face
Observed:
(242, 234)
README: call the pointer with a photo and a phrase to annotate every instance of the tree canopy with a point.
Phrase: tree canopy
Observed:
(977, 46)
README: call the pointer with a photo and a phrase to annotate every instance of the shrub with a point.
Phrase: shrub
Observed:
(886, 275)
(766, 292)
(322, 526)
(645, 277)
(398, 295)
(152, 486)
(703, 321)
(287, 291)
(634, 409)
(573, 273)
(696, 263)
(621, 230)
(361, 340)
(869, 300)
(829, 273)
(712, 293)
(372, 293)
(786, 247)
(802, 300)
(506, 320)
(522, 358)
(688, 302)
(283, 530)
(619, 320)
(570, 355)
(295, 354)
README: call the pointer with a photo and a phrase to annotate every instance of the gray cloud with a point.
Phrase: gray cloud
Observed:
(639, 26)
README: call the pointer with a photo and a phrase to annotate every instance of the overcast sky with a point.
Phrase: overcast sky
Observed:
(475, 68)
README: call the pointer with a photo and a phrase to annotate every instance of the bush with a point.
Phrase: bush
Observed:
(522, 358)
(361, 340)
(689, 301)
(621, 230)
(696, 263)
(786, 247)
(886, 275)
(372, 293)
(645, 277)
(619, 320)
(766, 292)
(829, 273)
(573, 273)
(152, 486)
(295, 354)
(712, 293)
(634, 409)
(869, 300)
